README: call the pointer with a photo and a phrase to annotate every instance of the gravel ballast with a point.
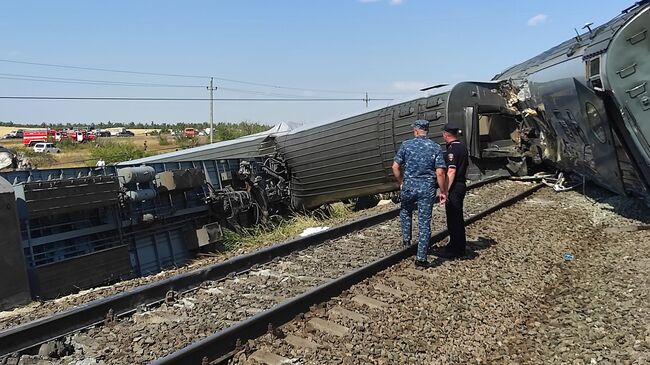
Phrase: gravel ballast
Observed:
(556, 278)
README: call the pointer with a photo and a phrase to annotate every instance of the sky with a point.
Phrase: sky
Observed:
(299, 49)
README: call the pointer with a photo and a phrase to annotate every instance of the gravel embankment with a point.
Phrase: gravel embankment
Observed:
(519, 300)
(147, 336)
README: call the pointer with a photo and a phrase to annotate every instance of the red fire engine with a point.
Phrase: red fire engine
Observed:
(30, 138)
(50, 135)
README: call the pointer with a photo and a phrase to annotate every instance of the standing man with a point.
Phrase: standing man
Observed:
(456, 158)
(419, 163)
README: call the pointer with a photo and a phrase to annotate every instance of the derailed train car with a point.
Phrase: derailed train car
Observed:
(587, 102)
(581, 107)
(74, 228)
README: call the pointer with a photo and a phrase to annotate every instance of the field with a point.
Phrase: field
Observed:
(74, 155)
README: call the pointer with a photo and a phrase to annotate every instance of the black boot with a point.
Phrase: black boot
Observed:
(422, 263)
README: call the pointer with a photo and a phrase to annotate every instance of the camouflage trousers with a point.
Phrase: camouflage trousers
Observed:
(418, 195)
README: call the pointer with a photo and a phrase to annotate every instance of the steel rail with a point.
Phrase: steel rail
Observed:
(29, 335)
(221, 345)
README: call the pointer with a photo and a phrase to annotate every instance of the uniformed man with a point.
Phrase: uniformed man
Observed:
(418, 165)
(456, 158)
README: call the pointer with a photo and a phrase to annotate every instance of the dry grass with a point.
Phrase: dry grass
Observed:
(286, 228)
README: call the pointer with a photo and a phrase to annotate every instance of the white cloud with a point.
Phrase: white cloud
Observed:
(409, 85)
(537, 20)
(396, 2)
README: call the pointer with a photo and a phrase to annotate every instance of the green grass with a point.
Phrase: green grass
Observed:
(112, 152)
(285, 228)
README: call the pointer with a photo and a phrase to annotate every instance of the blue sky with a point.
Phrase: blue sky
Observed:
(390, 48)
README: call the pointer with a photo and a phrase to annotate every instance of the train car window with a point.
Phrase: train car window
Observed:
(594, 67)
(595, 122)
(593, 73)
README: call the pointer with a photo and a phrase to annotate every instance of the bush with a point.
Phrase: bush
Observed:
(69, 145)
(112, 152)
(185, 142)
(162, 140)
(38, 160)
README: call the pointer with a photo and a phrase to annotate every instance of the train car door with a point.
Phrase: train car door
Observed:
(585, 142)
(603, 155)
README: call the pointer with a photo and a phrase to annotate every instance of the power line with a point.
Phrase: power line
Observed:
(114, 98)
(194, 76)
(65, 80)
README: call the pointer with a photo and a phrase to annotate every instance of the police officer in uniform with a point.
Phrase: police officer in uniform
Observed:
(457, 160)
(418, 165)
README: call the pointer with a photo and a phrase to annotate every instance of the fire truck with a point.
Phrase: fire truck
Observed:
(189, 132)
(30, 138)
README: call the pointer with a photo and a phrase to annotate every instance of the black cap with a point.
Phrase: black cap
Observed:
(452, 128)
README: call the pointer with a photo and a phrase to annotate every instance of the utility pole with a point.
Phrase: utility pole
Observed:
(211, 109)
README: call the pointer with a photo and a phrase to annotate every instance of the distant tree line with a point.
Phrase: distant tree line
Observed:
(222, 131)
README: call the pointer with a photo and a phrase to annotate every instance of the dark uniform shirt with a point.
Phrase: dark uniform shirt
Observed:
(456, 156)
(419, 158)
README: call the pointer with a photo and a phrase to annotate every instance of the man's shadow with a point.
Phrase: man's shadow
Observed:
(481, 243)
(471, 250)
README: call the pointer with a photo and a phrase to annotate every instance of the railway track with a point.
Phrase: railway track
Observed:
(223, 299)
(223, 345)
(521, 301)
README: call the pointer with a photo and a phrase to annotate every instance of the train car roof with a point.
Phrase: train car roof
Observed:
(218, 150)
(586, 45)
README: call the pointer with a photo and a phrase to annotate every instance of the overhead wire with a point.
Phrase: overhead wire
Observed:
(117, 98)
(65, 80)
(196, 77)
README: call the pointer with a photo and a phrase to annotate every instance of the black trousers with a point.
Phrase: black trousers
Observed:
(455, 221)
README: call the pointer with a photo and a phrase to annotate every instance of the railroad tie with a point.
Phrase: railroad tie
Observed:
(335, 329)
(369, 302)
(300, 342)
(340, 312)
(387, 289)
(405, 283)
(269, 358)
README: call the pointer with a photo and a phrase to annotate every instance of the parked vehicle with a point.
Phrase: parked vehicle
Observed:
(14, 134)
(124, 133)
(30, 138)
(189, 132)
(42, 147)
(119, 132)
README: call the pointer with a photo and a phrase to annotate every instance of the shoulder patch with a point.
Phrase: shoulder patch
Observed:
(450, 156)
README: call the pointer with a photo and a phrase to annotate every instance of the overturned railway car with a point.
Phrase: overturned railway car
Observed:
(75, 228)
(587, 101)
